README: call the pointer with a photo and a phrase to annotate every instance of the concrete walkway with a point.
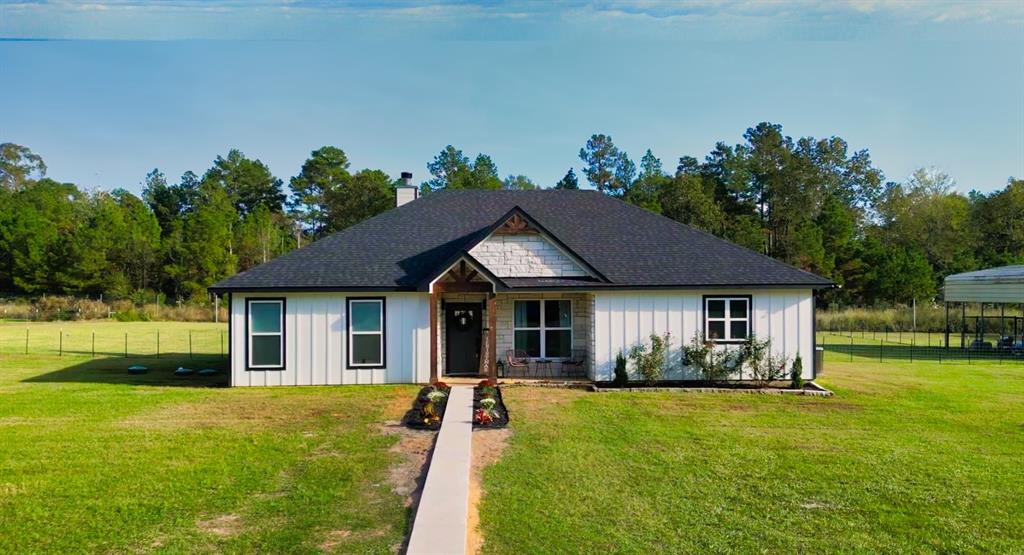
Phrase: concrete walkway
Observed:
(440, 524)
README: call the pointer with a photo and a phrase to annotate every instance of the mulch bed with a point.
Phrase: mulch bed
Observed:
(501, 417)
(413, 417)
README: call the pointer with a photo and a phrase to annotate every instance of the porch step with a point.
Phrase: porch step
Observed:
(440, 524)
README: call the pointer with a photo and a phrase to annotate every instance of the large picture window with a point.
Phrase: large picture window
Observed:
(366, 332)
(543, 329)
(265, 341)
(727, 319)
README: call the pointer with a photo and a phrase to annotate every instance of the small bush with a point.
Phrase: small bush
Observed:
(621, 375)
(797, 373)
(650, 360)
(711, 362)
(764, 365)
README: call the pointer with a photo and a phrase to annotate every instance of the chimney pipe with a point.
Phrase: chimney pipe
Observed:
(406, 192)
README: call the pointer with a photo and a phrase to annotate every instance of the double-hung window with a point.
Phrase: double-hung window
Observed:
(727, 319)
(366, 332)
(265, 319)
(543, 329)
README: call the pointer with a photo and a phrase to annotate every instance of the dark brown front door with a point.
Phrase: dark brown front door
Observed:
(462, 328)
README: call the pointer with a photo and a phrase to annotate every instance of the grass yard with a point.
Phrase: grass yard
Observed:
(112, 338)
(921, 457)
(96, 460)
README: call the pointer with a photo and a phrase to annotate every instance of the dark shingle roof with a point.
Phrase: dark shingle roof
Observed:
(629, 246)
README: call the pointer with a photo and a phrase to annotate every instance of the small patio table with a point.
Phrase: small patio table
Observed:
(542, 364)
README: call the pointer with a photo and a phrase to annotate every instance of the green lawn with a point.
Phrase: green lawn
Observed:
(95, 460)
(108, 337)
(921, 457)
(907, 457)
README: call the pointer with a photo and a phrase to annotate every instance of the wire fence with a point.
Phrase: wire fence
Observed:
(920, 346)
(129, 341)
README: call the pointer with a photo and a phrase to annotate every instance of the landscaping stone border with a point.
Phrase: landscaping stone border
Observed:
(812, 389)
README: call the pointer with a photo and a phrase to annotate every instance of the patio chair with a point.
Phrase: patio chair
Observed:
(516, 360)
(574, 366)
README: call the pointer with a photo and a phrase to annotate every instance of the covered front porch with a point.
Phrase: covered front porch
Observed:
(477, 332)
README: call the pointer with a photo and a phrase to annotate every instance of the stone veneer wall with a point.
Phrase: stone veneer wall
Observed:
(524, 256)
(582, 320)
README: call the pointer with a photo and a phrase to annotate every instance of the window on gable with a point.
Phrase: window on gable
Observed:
(543, 329)
(727, 319)
(266, 333)
(365, 333)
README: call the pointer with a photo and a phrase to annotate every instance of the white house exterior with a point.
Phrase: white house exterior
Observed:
(466, 283)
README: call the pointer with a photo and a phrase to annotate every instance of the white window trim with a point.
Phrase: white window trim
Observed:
(279, 333)
(728, 319)
(352, 333)
(542, 329)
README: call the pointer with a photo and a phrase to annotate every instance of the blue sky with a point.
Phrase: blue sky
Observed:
(107, 90)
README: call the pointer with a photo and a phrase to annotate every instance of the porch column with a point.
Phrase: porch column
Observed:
(433, 337)
(492, 336)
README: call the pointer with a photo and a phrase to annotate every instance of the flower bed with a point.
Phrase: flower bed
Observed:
(488, 407)
(428, 408)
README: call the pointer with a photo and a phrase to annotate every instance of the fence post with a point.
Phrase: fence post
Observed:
(26, 341)
(125, 344)
(851, 348)
(190, 344)
(60, 342)
(221, 344)
(913, 339)
(880, 351)
(93, 343)
(157, 343)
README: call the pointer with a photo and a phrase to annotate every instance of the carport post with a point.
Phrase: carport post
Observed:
(946, 303)
(963, 323)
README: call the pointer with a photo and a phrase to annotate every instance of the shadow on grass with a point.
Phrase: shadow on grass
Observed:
(160, 371)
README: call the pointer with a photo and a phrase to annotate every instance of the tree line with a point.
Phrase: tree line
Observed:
(807, 201)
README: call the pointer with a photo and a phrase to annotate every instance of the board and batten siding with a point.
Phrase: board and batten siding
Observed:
(624, 319)
(315, 341)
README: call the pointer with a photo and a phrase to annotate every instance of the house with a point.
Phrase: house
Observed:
(452, 282)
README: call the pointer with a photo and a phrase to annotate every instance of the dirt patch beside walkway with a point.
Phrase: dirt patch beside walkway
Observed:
(488, 446)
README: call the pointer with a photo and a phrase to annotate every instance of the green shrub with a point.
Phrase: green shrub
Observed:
(621, 375)
(797, 373)
(712, 362)
(650, 360)
(131, 315)
(763, 365)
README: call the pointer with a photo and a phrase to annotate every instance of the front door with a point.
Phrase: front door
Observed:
(463, 330)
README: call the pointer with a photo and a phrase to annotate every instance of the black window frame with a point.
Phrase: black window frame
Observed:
(248, 333)
(349, 365)
(728, 319)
